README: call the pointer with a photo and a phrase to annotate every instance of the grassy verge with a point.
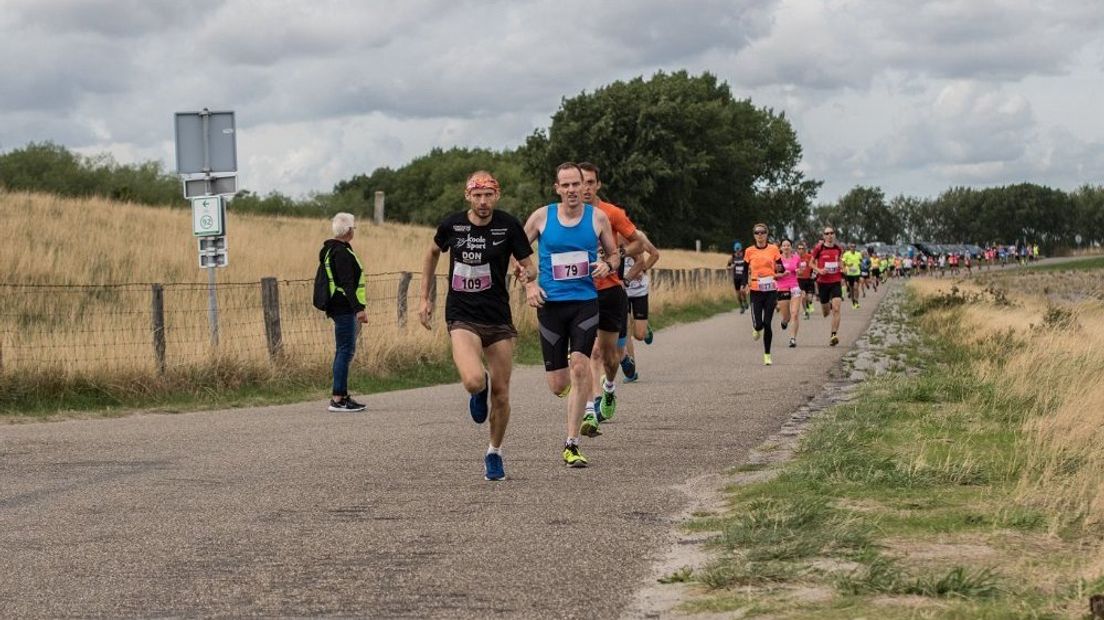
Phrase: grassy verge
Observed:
(227, 384)
(1079, 264)
(907, 502)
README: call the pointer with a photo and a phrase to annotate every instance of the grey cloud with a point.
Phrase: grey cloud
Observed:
(110, 18)
(47, 75)
(981, 40)
(470, 67)
(967, 124)
(849, 46)
(301, 31)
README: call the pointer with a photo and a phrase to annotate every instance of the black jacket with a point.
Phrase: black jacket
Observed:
(346, 275)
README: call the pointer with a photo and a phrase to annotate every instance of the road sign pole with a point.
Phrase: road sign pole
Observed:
(208, 165)
(212, 307)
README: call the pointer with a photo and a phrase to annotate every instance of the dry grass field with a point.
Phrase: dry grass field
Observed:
(1043, 334)
(76, 290)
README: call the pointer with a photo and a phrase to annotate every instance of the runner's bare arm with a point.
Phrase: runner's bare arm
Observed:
(534, 294)
(429, 269)
(640, 266)
(534, 226)
(634, 243)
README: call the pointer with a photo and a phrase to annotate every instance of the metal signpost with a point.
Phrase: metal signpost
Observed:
(207, 162)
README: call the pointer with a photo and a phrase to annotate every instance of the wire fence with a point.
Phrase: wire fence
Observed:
(158, 327)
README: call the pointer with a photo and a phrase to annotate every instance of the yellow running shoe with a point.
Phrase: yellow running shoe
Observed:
(766, 359)
(589, 426)
(572, 457)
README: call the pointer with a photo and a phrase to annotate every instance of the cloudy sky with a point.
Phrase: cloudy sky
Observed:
(910, 95)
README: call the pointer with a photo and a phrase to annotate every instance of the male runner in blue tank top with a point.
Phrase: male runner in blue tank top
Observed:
(565, 296)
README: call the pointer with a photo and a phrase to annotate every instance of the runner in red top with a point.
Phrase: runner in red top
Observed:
(829, 275)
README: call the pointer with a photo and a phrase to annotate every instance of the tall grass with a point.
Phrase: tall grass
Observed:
(53, 240)
(1044, 353)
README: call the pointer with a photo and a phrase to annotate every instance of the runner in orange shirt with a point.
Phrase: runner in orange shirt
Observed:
(764, 264)
(613, 308)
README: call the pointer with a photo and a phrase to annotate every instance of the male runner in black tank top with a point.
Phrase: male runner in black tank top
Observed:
(480, 242)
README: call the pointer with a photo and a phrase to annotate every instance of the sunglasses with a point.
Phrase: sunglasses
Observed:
(760, 232)
(829, 232)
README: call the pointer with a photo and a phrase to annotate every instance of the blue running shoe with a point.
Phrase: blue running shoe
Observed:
(492, 464)
(479, 404)
(632, 378)
(628, 366)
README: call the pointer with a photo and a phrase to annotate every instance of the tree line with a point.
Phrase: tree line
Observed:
(679, 152)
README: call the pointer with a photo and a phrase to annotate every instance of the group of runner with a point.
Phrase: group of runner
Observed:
(770, 277)
(589, 286)
(583, 292)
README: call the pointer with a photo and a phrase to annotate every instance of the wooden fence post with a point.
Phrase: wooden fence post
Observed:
(157, 316)
(404, 286)
(270, 302)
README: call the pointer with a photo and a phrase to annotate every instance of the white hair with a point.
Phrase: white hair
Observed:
(343, 223)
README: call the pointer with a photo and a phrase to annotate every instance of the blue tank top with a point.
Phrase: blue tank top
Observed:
(565, 257)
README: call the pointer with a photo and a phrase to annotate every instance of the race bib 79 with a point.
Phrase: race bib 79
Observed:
(570, 265)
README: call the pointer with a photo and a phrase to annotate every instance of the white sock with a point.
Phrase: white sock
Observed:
(608, 385)
(493, 450)
(572, 441)
(590, 406)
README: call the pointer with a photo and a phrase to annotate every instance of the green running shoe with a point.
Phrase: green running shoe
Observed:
(648, 336)
(589, 426)
(608, 406)
(572, 457)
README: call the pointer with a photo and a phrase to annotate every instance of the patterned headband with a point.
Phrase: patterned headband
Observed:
(481, 182)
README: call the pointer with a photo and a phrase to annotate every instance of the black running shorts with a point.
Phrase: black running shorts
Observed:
(827, 291)
(613, 308)
(639, 307)
(807, 285)
(566, 327)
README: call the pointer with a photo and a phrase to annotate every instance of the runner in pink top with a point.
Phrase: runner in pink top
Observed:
(789, 292)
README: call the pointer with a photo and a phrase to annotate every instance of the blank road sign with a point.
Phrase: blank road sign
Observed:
(222, 154)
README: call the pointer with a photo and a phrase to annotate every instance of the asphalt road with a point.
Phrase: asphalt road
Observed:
(294, 511)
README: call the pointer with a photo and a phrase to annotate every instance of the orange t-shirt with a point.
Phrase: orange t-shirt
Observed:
(760, 266)
(621, 225)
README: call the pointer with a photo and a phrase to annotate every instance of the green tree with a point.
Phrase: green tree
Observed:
(431, 186)
(686, 159)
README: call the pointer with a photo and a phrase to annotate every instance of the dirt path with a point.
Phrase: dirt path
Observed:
(293, 511)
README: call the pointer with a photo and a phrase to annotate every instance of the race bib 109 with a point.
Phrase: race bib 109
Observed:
(471, 278)
(570, 265)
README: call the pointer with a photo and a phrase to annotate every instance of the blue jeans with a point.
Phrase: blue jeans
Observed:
(345, 330)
